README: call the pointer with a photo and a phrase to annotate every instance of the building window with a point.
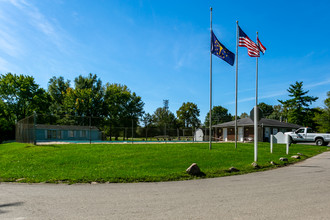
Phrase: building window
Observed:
(59, 134)
(51, 134)
(71, 133)
(83, 133)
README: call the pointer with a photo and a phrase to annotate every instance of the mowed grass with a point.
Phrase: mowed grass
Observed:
(83, 163)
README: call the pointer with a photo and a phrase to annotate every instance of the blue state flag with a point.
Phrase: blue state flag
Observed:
(221, 51)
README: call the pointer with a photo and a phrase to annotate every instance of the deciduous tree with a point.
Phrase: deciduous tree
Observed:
(244, 115)
(279, 113)
(266, 109)
(188, 115)
(22, 95)
(122, 106)
(322, 118)
(57, 89)
(219, 115)
(163, 117)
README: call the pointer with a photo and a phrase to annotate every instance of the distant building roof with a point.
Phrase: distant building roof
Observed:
(65, 127)
(263, 121)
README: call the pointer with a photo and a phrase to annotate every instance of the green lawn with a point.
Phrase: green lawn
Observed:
(75, 163)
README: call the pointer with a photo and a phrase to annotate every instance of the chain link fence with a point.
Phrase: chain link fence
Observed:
(25, 130)
(75, 129)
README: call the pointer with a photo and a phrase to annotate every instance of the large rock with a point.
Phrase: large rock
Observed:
(295, 157)
(19, 180)
(273, 163)
(193, 170)
(255, 165)
(233, 169)
(283, 159)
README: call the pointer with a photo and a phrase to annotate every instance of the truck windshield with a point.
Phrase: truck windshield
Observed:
(300, 131)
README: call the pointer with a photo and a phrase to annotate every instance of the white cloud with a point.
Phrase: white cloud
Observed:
(18, 3)
(325, 82)
(4, 65)
(9, 44)
(27, 17)
(252, 98)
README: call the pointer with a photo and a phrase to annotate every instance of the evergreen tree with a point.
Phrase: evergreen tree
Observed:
(298, 106)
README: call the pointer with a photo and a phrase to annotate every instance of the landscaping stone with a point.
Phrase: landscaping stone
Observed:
(255, 165)
(193, 169)
(300, 154)
(283, 159)
(295, 156)
(233, 169)
(273, 163)
(93, 183)
(19, 180)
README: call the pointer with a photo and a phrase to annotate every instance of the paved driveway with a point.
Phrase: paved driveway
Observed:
(300, 191)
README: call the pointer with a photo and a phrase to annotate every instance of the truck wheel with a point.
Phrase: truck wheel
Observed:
(319, 142)
(291, 141)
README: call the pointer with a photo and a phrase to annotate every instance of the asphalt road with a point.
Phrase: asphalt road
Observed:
(300, 191)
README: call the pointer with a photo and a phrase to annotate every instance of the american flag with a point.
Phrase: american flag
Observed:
(245, 41)
(262, 48)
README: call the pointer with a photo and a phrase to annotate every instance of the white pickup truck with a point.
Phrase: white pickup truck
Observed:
(308, 135)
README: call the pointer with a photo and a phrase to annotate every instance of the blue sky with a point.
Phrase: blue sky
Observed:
(160, 49)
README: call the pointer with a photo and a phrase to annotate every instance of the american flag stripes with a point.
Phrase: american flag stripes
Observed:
(262, 48)
(245, 41)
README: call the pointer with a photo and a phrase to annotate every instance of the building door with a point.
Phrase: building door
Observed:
(267, 133)
(240, 134)
(225, 134)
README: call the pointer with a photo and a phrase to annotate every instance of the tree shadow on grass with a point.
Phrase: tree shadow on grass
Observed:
(44, 146)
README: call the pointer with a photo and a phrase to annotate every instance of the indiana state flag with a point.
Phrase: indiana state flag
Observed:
(221, 51)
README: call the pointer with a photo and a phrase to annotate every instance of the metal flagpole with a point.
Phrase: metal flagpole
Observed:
(256, 115)
(210, 115)
(236, 85)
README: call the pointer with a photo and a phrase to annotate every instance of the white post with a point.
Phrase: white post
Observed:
(236, 83)
(255, 134)
(287, 143)
(271, 143)
(256, 117)
(210, 115)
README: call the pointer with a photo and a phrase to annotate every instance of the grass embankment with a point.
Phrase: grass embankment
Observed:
(84, 163)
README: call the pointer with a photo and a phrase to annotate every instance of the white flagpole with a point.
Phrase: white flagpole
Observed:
(256, 114)
(210, 115)
(236, 83)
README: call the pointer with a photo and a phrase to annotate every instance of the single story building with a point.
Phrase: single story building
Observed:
(67, 133)
(245, 129)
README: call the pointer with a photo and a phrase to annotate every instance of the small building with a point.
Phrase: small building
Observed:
(245, 129)
(66, 133)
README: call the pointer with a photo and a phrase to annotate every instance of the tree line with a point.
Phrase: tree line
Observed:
(114, 103)
(297, 109)
(118, 106)
(294, 110)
